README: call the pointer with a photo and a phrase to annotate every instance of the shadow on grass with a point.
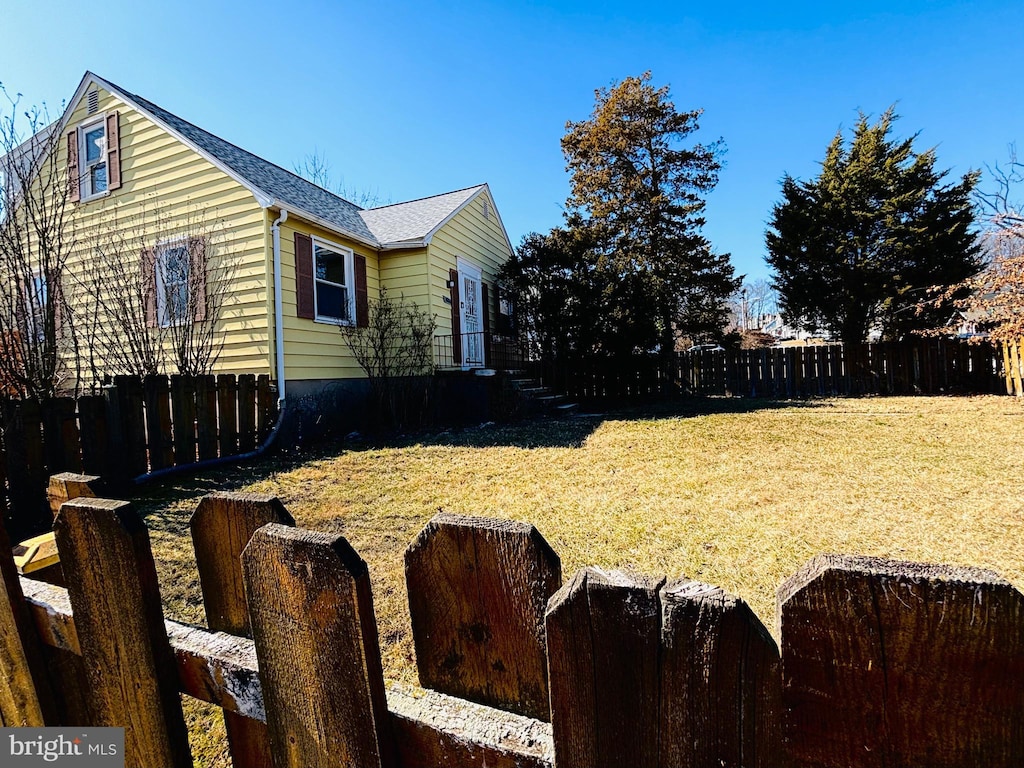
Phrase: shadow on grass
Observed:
(573, 430)
(167, 505)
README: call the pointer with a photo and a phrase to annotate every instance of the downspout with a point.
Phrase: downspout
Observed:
(279, 347)
(279, 308)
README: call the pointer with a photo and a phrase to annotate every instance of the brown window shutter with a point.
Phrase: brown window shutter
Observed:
(197, 277)
(304, 304)
(113, 151)
(362, 293)
(74, 182)
(485, 304)
(149, 285)
(453, 278)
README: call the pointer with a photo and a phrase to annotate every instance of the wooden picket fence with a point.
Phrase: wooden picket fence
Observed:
(1013, 367)
(135, 426)
(880, 663)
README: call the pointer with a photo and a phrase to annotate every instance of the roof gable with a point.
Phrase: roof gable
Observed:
(401, 225)
(414, 221)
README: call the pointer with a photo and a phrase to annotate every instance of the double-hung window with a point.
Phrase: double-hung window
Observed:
(92, 148)
(37, 292)
(333, 282)
(173, 264)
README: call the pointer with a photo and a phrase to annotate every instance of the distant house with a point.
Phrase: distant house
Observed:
(303, 260)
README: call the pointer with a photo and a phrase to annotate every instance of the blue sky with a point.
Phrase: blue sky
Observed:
(412, 99)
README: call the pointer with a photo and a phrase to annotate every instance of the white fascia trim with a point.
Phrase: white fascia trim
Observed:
(404, 245)
(453, 214)
(312, 218)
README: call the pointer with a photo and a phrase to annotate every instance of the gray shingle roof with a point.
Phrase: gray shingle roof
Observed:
(287, 187)
(415, 219)
(387, 225)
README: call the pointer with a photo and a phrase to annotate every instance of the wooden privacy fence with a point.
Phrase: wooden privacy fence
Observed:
(927, 366)
(882, 663)
(134, 427)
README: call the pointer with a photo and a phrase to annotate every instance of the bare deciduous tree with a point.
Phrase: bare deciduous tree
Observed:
(996, 294)
(37, 343)
(155, 290)
(395, 349)
(315, 167)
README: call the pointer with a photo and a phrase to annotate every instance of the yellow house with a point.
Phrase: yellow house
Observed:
(298, 261)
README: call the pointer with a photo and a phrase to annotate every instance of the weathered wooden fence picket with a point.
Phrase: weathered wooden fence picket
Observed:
(882, 663)
(135, 426)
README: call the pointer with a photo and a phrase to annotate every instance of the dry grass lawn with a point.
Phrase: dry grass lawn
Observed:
(736, 493)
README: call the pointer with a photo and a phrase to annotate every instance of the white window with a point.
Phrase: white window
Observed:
(92, 161)
(333, 282)
(173, 264)
(36, 300)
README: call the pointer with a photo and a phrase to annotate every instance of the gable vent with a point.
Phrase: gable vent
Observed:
(94, 102)
(487, 210)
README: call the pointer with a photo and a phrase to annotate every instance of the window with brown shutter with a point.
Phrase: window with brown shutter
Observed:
(74, 181)
(94, 157)
(149, 285)
(197, 250)
(113, 151)
(362, 293)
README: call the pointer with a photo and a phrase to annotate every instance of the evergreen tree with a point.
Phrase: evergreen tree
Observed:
(859, 247)
(638, 189)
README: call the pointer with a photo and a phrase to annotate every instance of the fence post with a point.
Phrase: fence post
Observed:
(603, 645)
(26, 698)
(206, 416)
(112, 586)
(183, 415)
(60, 435)
(316, 640)
(65, 486)
(246, 412)
(227, 399)
(221, 526)
(26, 513)
(264, 407)
(720, 681)
(92, 419)
(158, 422)
(889, 663)
(126, 428)
(478, 588)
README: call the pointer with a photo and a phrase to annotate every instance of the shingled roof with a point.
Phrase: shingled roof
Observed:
(401, 224)
(416, 220)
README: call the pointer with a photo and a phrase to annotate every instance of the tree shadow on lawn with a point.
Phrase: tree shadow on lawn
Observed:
(167, 505)
(572, 431)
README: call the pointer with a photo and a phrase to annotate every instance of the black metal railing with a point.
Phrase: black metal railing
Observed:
(478, 350)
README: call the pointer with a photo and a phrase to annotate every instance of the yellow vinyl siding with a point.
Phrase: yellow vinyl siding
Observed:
(312, 349)
(168, 189)
(476, 239)
(404, 273)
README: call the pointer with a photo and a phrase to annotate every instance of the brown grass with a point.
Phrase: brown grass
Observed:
(736, 493)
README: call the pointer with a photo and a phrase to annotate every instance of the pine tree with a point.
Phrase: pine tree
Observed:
(858, 247)
(639, 188)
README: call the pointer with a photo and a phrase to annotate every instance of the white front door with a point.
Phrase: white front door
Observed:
(471, 311)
